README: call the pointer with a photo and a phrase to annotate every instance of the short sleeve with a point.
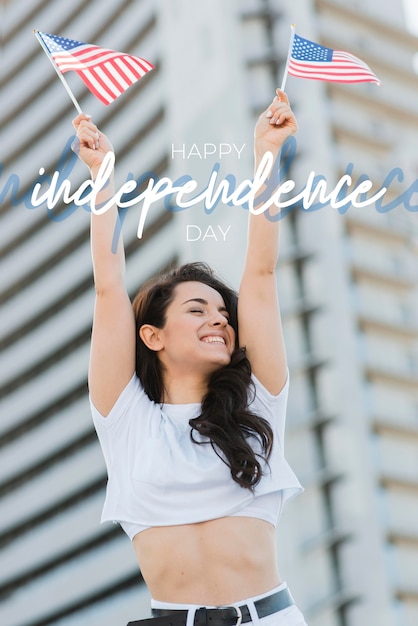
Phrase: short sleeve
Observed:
(132, 393)
(110, 430)
(271, 407)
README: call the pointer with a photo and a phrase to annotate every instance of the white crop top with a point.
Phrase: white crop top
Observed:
(157, 476)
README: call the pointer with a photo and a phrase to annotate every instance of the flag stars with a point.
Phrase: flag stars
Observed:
(55, 43)
(305, 50)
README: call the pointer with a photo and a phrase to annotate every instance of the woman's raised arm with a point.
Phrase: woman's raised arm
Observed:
(112, 357)
(260, 329)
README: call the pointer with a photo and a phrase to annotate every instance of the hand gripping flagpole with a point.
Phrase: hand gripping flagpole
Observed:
(289, 54)
(61, 77)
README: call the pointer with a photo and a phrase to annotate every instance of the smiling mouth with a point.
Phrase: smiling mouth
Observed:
(218, 340)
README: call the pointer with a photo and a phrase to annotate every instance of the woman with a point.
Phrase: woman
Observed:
(190, 415)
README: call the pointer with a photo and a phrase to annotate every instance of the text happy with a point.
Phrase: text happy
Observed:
(220, 150)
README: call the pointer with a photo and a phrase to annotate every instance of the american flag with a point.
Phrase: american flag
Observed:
(106, 73)
(311, 60)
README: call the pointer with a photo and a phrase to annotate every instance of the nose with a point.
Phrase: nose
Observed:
(218, 319)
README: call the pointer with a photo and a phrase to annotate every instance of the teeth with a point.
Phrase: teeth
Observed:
(214, 340)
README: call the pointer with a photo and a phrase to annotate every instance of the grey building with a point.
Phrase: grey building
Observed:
(347, 277)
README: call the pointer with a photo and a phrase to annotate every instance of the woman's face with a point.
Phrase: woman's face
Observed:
(197, 336)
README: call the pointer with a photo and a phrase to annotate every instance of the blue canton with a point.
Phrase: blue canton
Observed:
(305, 50)
(55, 43)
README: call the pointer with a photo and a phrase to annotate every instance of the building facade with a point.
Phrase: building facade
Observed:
(347, 278)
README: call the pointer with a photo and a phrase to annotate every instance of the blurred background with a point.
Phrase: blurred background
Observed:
(348, 285)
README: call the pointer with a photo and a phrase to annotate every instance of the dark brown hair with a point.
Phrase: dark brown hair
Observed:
(225, 421)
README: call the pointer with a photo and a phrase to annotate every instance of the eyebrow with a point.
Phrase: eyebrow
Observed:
(204, 302)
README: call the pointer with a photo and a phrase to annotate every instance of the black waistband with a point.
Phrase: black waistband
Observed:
(222, 616)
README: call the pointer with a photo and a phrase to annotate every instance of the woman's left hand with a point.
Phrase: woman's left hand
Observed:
(274, 126)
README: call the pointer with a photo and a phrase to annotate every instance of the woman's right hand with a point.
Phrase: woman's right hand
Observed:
(90, 144)
(112, 358)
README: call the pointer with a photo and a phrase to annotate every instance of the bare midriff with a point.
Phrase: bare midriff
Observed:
(209, 563)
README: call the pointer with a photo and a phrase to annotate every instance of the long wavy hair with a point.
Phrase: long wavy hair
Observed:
(225, 420)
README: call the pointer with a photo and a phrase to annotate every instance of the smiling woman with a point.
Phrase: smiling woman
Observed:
(188, 391)
(195, 317)
(188, 308)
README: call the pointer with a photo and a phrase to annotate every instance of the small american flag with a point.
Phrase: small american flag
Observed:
(311, 60)
(106, 73)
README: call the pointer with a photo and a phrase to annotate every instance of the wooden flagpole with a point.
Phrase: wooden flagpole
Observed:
(64, 82)
(289, 54)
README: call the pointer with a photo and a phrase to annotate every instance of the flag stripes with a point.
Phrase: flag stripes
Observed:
(311, 60)
(106, 73)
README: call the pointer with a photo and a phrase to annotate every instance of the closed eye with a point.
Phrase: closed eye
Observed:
(221, 310)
